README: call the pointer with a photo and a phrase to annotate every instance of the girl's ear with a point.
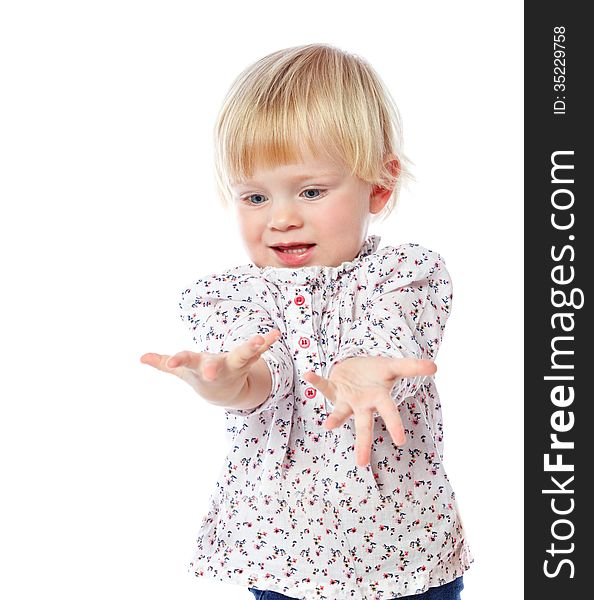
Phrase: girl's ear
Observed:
(379, 195)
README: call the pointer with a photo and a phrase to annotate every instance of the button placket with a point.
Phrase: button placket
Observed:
(304, 354)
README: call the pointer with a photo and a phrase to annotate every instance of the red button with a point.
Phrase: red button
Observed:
(310, 392)
(299, 300)
(304, 342)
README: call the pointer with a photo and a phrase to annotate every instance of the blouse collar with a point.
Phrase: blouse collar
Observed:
(318, 273)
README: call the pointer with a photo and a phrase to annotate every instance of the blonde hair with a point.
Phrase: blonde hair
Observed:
(314, 98)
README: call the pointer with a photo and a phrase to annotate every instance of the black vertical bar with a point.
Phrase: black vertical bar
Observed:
(559, 429)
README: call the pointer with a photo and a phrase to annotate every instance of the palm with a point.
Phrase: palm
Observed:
(361, 386)
(364, 373)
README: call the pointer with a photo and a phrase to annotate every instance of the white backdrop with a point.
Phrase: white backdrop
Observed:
(109, 210)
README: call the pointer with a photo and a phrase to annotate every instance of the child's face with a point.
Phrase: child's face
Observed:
(315, 206)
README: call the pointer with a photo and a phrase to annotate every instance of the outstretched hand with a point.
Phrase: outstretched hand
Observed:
(360, 386)
(216, 377)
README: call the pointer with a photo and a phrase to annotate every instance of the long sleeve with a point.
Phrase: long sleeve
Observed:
(408, 301)
(219, 325)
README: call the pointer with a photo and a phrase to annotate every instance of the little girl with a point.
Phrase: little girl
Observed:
(320, 351)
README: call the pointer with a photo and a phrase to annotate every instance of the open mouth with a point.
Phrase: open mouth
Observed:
(293, 249)
(294, 255)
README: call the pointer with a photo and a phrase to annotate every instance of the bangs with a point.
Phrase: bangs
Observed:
(269, 140)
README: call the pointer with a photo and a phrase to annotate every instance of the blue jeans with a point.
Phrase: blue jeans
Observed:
(449, 591)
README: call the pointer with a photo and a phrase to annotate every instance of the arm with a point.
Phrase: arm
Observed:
(405, 314)
(258, 387)
(387, 351)
(223, 325)
(236, 380)
(359, 387)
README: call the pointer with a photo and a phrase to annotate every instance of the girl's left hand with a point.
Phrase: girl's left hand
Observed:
(360, 386)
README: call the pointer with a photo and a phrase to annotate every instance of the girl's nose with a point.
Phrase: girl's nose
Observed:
(284, 215)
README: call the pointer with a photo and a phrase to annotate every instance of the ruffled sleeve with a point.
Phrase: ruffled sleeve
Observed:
(222, 312)
(407, 301)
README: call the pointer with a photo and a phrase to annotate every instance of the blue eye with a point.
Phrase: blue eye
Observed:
(317, 191)
(257, 203)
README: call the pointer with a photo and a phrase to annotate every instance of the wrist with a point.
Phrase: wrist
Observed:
(224, 393)
(253, 391)
(340, 361)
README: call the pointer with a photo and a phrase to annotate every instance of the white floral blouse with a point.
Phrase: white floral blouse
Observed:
(292, 512)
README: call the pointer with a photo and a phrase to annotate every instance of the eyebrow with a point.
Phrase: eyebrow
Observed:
(309, 176)
(295, 178)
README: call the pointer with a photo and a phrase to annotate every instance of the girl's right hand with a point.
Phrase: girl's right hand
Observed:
(218, 378)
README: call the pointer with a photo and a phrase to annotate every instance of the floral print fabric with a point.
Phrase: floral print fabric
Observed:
(292, 512)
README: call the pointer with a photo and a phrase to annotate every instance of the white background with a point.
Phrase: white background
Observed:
(109, 211)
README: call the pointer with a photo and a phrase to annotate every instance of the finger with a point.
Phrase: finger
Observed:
(150, 358)
(185, 358)
(165, 362)
(204, 364)
(251, 350)
(363, 433)
(324, 385)
(244, 354)
(272, 336)
(391, 415)
(338, 416)
(410, 367)
(210, 368)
